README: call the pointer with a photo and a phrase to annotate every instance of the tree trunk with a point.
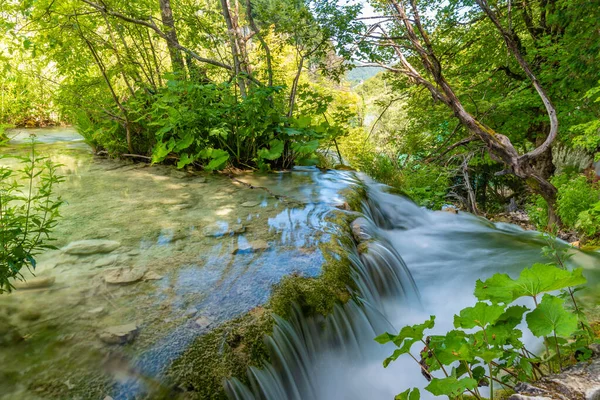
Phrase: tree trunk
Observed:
(235, 47)
(167, 19)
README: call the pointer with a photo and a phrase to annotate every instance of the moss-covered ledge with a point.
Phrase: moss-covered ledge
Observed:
(228, 350)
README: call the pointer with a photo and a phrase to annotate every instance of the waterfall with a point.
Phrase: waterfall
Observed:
(297, 344)
(407, 263)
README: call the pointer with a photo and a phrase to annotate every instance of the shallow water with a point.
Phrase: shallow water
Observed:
(160, 218)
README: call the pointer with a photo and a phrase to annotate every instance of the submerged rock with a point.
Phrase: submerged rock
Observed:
(124, 276)
(105, 261)
(92, 246)
(254, 246)
(120, 334)
(203, 322)
(218, 230)
(152, 276)
(250, 204)
(35, 283)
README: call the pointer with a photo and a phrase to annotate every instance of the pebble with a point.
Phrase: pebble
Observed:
(123, 276)
(203, 322)
(254, 246)
(105, 261)
(120, 334)
(92, 246)
(250, 203)
(152, 276)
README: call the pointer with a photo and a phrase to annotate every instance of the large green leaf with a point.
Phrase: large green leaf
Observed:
(540, 278)
(450, 386)
(551, 316)
(482, 314)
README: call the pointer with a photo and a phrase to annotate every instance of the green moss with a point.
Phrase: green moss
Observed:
(230, 349)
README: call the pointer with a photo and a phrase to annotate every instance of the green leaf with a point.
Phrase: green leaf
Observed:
(450, 386)
(409, 394)
(275, 151)
(551, 316)
(482, 314)
(540, 278)
(405, 339)
(217, 163)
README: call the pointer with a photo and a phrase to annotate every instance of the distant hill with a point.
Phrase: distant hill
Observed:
(361, 74)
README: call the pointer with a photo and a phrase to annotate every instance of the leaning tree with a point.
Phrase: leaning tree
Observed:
(402, 31)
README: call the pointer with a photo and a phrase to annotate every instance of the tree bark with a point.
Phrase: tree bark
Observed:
(499, 146)
(166, 14)
(235, 47)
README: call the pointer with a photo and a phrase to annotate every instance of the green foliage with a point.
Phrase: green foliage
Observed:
(575, 195)
(588, 221)
(28, 213)
(486, 347)
(537, 210)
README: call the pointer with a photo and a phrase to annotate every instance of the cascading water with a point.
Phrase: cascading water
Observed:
(409, 263)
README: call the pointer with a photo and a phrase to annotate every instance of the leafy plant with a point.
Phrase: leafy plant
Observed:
(28, 213)
(575, 195)
(486, 348)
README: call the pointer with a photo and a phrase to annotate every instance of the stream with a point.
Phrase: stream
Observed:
(175, 254)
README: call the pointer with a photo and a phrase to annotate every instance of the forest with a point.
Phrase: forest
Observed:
(488, 110)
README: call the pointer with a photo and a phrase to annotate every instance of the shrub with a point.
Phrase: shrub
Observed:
(486, 348)
(28, 213)
(588, 221)
(575, 195)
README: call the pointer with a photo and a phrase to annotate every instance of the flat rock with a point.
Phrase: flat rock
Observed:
(105, 261)
(92, 246)
(124, 276)
(152, 276)
(218, 230)
(190, 312)
(250, 203)
(203, 322)
(119, 334)
(96, 311)
(35, 283)
(254, 246)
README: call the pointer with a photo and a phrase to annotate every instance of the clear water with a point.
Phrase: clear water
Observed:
(159, 216)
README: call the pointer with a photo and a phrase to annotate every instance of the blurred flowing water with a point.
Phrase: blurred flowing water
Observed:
(417, 263)
(194, 236)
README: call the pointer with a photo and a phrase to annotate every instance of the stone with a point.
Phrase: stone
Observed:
(203, 322)
(124, 276)
(30, 315)
(190, 312)
(120, 334)
(35, 283)
(92, 246)
(236, 229)
(104, 233)
(152, 276)
(359, 229)
(343, 206)
(576, 244)
(254, 246)
(450, 209)
(580, 381)
(223, 229)
(250, 204)
(96, 311)
(105, 261)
